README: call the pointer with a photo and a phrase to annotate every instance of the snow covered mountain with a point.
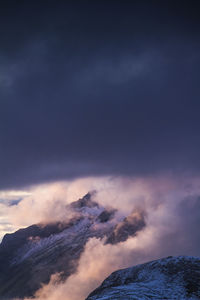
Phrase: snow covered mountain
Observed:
(167, 278)
(31, 255)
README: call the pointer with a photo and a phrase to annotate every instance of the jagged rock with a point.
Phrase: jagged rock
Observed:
(86, 201)
(31, 255)
(106, 215)
(167, 278)
(128, 227)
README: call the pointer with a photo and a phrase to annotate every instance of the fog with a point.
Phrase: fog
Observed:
(171, 206)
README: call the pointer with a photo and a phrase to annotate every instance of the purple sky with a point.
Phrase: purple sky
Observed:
(98, 88)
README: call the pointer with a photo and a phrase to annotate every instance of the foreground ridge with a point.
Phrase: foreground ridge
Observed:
(166, 278)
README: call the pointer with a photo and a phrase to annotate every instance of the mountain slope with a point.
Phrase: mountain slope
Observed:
(31, 255)
(167, 278)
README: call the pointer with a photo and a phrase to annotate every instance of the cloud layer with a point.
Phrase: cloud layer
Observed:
(173, 218)
(98, 89)
(172, 222)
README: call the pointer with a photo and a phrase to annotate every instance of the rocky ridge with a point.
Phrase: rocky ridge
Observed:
(31, 255)
(167, 278)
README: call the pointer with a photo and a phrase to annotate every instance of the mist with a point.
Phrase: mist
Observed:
(172, 218)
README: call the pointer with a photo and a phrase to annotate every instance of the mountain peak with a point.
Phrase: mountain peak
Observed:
(86, 201)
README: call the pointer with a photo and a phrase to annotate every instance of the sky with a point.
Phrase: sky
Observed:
(97, 88)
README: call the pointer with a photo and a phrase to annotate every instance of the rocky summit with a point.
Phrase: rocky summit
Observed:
(167, 278)
(31, 255)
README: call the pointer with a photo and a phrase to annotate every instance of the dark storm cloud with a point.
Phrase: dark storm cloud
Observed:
(91, 88)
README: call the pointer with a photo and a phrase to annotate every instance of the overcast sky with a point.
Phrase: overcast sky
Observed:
(98, 88)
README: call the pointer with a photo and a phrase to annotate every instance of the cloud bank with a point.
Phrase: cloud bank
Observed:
(172, 222)
(98, 89)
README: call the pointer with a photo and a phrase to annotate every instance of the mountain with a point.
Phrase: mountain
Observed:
(31, 255)
(167, 278)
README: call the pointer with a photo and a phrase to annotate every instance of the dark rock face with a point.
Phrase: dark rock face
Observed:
(106, 215)
(86, 201)
(167, 278)
(19, 238)
(31, 255)
(128, 227)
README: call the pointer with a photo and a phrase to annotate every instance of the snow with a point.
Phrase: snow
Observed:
(161, 279)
